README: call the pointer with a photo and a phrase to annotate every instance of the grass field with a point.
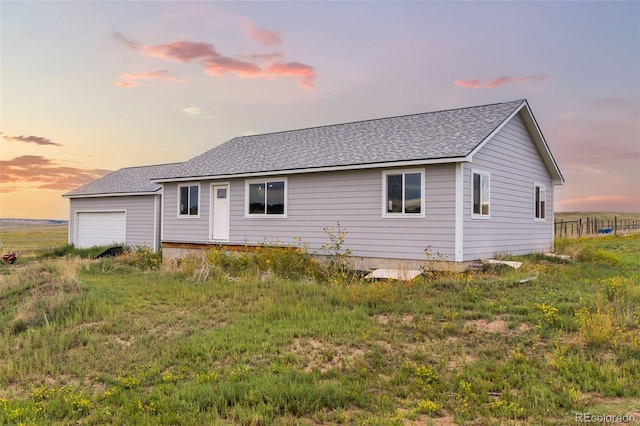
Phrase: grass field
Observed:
(25, 238)
(276, 339)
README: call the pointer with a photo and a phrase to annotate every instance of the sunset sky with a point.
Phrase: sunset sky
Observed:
(91, 87)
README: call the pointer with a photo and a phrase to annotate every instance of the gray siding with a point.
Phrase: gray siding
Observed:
(140, 211)
(185, 228)
(514, 165)
(319, 200)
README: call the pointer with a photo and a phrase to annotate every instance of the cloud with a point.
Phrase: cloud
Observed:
(197, 112)
(262, 35)
(122, 39)
(192, 110)
(128, 79)
(44, 173)
(213, 63)
(477, 84)
(181, 51)
(305, 73)
(39, 140)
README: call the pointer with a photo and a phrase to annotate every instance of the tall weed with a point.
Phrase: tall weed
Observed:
(598, 327)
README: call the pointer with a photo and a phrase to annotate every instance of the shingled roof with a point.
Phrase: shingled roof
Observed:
(441, 135)
(129, 180)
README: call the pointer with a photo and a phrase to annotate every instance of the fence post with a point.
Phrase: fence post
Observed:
(615, 225)
(580, 228)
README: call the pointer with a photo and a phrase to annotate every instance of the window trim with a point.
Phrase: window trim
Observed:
(488, 175)
(189, 185)
(402, 214)
(542, 187)
(266, 215)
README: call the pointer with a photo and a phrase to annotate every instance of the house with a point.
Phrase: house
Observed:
(467, 183)
(121, 208)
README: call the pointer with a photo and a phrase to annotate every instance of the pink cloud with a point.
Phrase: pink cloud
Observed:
(305, 73)
(477, 84)
(218, 65)
(181, 51)
(39, 140)
(44, 173)
(268, 65)
(128, 79)
(262, 35)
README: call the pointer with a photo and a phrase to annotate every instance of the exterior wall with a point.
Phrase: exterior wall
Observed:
(319, 200)
(140, 210)
(514, 165)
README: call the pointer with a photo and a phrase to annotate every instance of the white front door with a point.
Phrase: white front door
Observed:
(220, 214)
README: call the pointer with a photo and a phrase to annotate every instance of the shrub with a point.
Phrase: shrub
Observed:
(143, 257)
(598, 327)
(598, 256)
(288, 262)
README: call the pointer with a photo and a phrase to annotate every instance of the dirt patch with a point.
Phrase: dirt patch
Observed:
(497, 326)
(423, 419)
(126, 341)
(382, 319)
(615, 405)
(523, 327)
(407, 318)
(324, 356)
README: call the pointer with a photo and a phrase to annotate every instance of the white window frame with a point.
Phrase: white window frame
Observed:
(265, 215)
(536, 205)
(188, 215)
(488, 176)
(402, 214)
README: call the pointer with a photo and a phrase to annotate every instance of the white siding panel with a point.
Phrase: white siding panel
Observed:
(320, 200)
(139, 209)
(514, 164)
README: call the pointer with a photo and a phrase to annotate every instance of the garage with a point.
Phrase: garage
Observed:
(101, 228)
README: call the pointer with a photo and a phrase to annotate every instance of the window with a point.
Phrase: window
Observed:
(480, 194)
(540, 195)
(403, 193)
(189, 200)
(266, 198)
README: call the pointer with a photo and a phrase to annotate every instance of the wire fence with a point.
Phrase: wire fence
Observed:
(595, 226)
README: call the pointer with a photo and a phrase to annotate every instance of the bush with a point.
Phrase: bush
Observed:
(288, 262)
(599, 256)
(143, 257)
(598, 327)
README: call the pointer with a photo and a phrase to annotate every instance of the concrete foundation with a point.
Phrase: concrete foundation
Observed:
(173, 251)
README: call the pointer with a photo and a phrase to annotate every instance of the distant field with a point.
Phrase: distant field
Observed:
(24, 236)
(567, 216)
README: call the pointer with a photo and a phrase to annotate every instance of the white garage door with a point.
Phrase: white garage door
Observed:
(101, 229)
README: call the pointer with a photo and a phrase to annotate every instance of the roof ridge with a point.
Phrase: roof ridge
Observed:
(149, 165)
(373, 119)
